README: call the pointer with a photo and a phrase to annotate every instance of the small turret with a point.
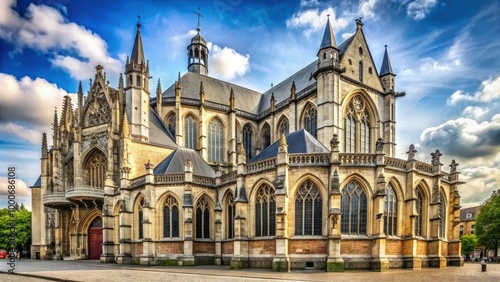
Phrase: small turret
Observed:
(55, 128)
(386, 74)
(198, 51)
(328, 53)
(44, 145)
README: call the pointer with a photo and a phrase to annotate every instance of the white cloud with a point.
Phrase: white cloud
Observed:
(305, 3)
(20, 132)
(313, 20)
(475, 112)
(21, 100)
(21, 188)
(70, 46)
(419, 9)
(367, 8)
(346, 35)
(489, 92)
(429, 64)
(226, 63)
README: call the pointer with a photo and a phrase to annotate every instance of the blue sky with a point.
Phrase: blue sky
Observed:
(445, 55)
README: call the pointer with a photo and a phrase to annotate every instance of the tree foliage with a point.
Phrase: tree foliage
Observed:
(488, 223)
(22, 220)
(469, 244)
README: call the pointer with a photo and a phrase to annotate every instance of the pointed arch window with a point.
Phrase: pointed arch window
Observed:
(354, 210)
(266, 135)
(283, 127)
(265, 212)
(190, 126)
(308, 210)
(95, 169)
(140, 219)
(419, 218)
(310, 120)
(357, 131)
(441, 223)
(171, 218)
(215, 141)
(360, 71)
(138, 81)
(390, 211)
(247, 140)
(230, 216)
(203, 219)
(171, 124)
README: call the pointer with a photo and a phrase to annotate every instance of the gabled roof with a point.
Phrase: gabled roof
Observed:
(299, 142)
(158, 132)
(38, 183)
(216, 91)
(174, 163)
(474, 211)
(386, 67)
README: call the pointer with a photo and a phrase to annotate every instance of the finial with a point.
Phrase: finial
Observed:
(138, 21)
(385, 46)
(199, 16)
(179, 77)
(328, 15)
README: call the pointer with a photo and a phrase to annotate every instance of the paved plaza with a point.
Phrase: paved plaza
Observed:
(33, 270)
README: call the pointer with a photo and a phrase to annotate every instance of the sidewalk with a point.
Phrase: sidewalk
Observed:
(85, 270)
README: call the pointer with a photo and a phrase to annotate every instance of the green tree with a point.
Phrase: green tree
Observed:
(488, 223)
(469, 244)
(22, 221)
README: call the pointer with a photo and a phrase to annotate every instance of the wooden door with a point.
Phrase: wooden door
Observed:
(95, 239)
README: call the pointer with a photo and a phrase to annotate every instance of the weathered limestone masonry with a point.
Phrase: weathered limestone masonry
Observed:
(301, 176)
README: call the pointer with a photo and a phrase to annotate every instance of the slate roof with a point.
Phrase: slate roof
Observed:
(217, 91)
(473, 210)
(158, 132)
(303, 79)
(137, 55)
(174, 163)
(38, 183)
(328, 37)
(386, 67)
(299, 142)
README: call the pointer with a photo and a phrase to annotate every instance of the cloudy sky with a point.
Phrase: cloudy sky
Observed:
(445, 55)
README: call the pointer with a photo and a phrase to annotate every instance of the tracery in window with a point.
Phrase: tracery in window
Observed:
(283, 127)
(170, 218)
(390, 211)
(265, 212)
(308, 210)
(354, 210)
(247, 140)
(215, 141)
(419, 218)
(441, 223)
(310, 120)
(171, 124)
(190, 126)
(95, 169)
(357, 131)
(230, 215)
(266, 135)
(203, 219)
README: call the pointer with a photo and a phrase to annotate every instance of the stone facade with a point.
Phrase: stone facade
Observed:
(301, 176)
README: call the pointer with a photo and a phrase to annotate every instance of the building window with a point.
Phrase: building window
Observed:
(360, 51)
(370, 70)
(283, 127)
(190, 126)
(140, 219)
(353, 210)
(390, 211)
(420, 216)
(171, 124)
(230, 215)
(472, 229)
(247, 140)
(265, 212)
(266, 135)
(360, 71)
(171, 218)
(215, 141)
(138, 81)
(95, 169)
(357, 134)
(441, 223)
(461, 230)
(308, 210)
(203, 219)
(469, 215)
(310, 120)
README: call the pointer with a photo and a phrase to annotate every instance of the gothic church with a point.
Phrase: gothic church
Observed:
(301, 176)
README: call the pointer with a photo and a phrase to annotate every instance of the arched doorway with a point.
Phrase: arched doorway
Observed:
(95, 238)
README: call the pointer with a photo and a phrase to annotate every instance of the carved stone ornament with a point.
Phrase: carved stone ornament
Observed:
(411, 152)
(149, 165)
(334, 143)
(97, 110)
(453, 166)
(380, 145)
(436, 157)
(280, 182)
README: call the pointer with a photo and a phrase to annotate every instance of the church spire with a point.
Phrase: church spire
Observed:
(328, 36)
(138, 51)
(198, 51)
(386, 67)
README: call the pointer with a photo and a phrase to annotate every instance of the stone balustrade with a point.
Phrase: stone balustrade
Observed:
(357, 159)
(84, 192)
(262, 165)
(308, 159)
(55, 199)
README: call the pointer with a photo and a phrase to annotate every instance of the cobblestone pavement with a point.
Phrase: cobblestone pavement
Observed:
(38, 271)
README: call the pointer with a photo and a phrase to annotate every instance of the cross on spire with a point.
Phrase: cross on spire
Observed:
(139, 21)
(199, 16)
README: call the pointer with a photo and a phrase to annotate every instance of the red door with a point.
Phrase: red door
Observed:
(95, 239)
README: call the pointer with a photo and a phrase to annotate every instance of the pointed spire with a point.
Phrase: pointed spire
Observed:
(158, 89)
(120, 81)
(44, 145)
(202, 93)
(138, 51)
(232, 100)
(386, 67)
(328, 36)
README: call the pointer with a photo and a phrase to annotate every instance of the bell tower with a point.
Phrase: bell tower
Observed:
(198, 51)
(137, 90)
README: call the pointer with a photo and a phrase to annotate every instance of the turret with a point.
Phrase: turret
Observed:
(158, 98)
(137, 90)
(386, 74)
(328, 53)
(198, 52)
